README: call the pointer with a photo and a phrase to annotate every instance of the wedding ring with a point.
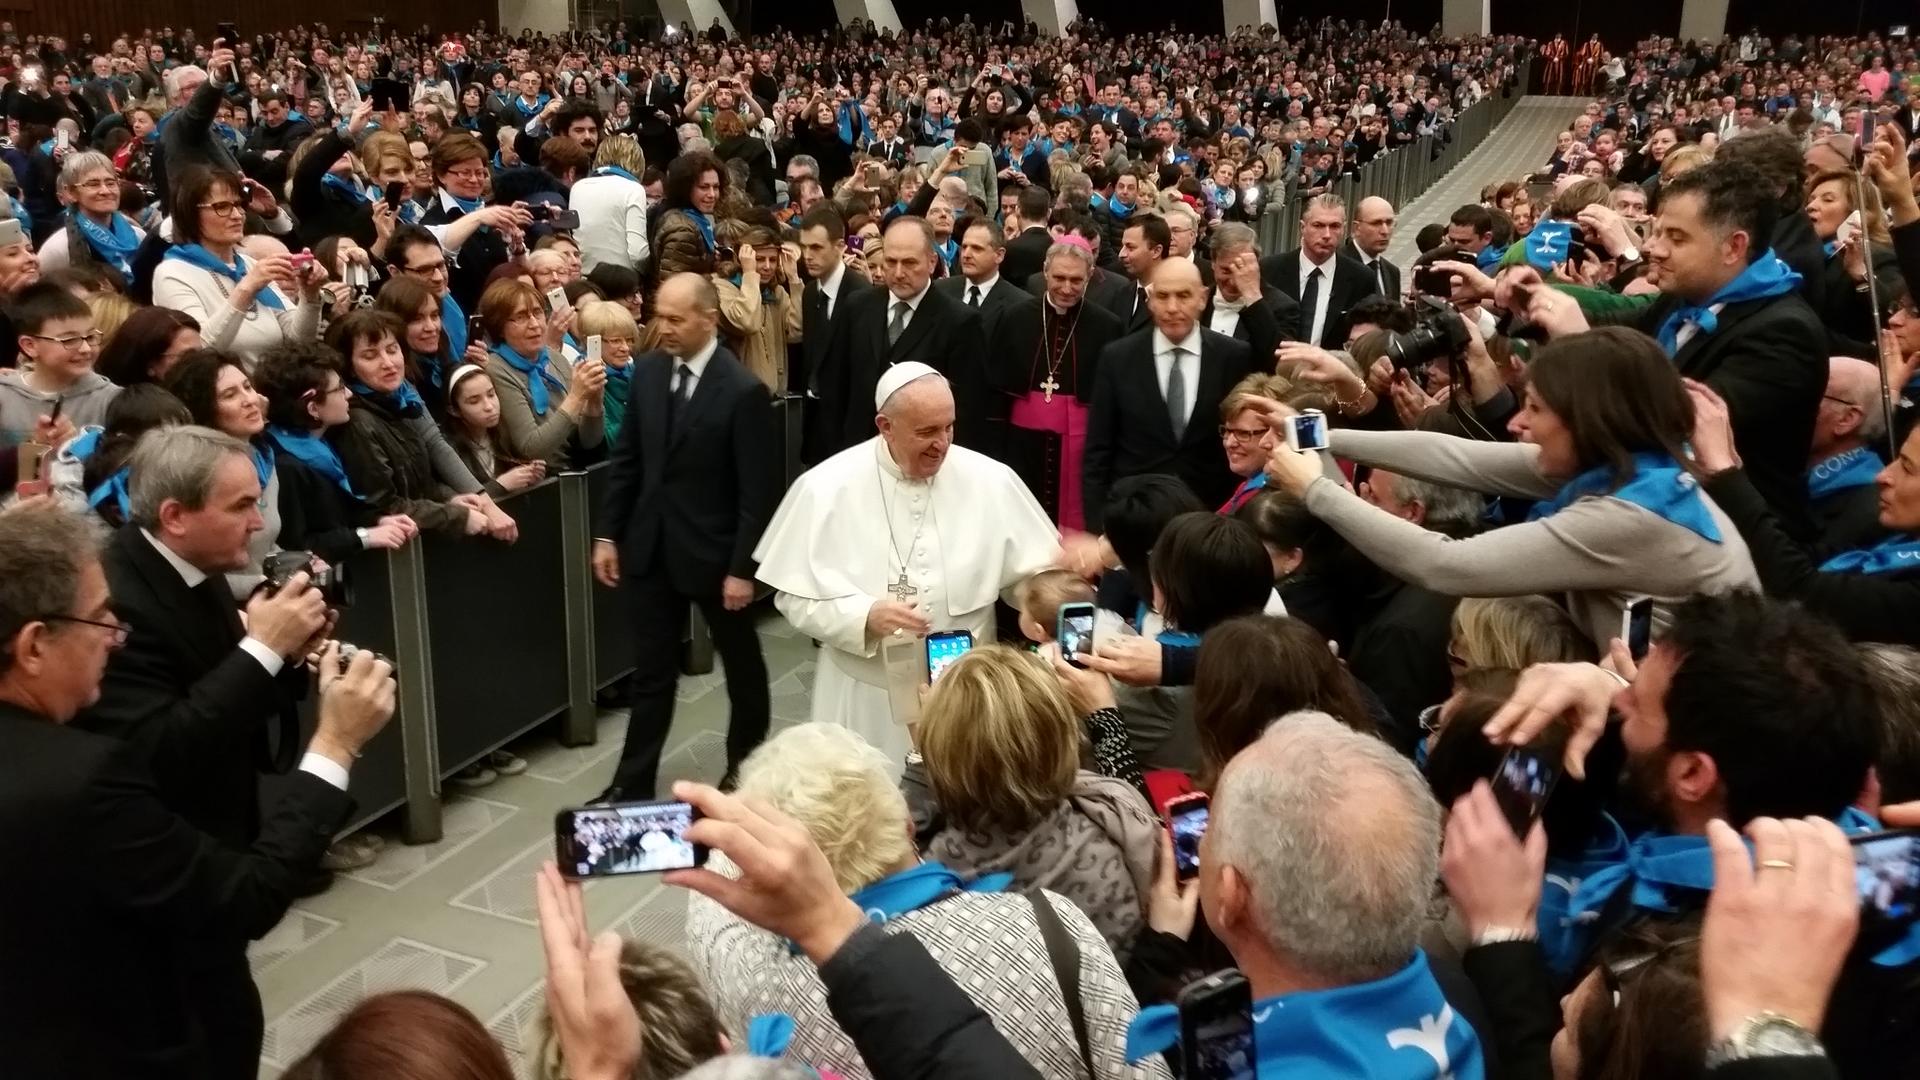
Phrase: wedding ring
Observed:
(1775, 864)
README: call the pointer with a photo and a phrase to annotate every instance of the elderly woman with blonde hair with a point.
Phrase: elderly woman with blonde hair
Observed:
(990, 941)
(1001, 743)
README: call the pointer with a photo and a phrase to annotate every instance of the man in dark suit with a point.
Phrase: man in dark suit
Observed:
(1145, 243)
(1316, 276)
(908, 320)
(831, 282)
(1027, 251)
(106, 881)
(205, 704)
(981, 283)
(1239, 306)
(1105, 289)
(1157, 395)
(1367, 240)
(693, 483)
(1183, 232)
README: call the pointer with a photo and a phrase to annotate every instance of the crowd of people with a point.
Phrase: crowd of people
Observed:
(281, 301)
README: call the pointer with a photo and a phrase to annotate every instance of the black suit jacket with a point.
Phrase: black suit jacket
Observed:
(203, 713)
(1387, 270)
(816, 331)
(468, 268)
(106, 885)
(689, 495)
(1026, 253)
(1003, 297)
(944, 334)
(1351, 284)
(1129, 433)
(1263, 325)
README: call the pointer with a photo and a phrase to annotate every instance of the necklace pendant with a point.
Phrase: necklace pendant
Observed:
(1047, 387)
(902, 589)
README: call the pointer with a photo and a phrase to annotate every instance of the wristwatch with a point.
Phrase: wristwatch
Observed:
(1765, 1035)
(362, 534)
(1495, 935)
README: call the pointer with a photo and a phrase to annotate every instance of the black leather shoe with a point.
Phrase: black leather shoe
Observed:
(730, 781)
(614, 793)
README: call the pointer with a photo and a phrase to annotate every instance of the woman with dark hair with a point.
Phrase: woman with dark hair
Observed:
(1207, 569)
(683, 240)
(550, 410)
(472, 115)
(246, 305)
(90, 471)
(1620, 513)
(1258, 667)
(404, 1035)
(147, 345)
(734, 141)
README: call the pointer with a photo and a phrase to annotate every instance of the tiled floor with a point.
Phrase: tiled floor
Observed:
(456, 916)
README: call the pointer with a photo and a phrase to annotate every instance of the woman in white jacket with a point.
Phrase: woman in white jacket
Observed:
(243, 305)
(612, 207)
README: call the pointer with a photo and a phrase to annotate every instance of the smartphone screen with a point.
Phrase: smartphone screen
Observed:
(1309, 431)
(943, 649)
(1075, 632)
(1886, 868)
(626, 838)
(1636, 627)
(1522, 784)
(1216, 1028)
(1187, 821)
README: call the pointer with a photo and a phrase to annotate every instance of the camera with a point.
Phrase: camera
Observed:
(1438, 332)
(280, 567)
(348, 651)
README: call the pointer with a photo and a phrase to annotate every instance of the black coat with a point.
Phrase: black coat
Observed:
(1388, 271)
(1026, 253)
(1129, 432)
(484, 250)
(1351, 284)
(110, 883)
(315, 515)
(817, 328)
(690, 494)
(944, 334)
(1003, 297)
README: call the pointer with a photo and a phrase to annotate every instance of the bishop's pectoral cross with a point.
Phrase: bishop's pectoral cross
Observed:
(902, 589)
(1047, 387)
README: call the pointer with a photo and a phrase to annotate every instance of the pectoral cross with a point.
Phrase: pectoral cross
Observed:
(902, 589)
(1047, 387)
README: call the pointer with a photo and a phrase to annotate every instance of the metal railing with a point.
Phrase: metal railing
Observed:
(1402, 174)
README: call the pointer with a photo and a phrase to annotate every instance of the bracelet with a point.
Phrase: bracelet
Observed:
(1496, 935)
(1344, 406)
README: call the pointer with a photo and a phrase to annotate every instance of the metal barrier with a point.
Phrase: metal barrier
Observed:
(1399, 175)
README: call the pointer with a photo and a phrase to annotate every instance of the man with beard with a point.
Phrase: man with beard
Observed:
(1043, 357)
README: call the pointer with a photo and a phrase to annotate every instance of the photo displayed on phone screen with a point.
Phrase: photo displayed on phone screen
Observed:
(943, 649)
(1886, 868)
(626, 838)
(1075, 632)
(1216, 1028)
(1522, 784)
(1187, 820)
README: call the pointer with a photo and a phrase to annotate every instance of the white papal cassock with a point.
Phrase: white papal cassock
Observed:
(971, 533)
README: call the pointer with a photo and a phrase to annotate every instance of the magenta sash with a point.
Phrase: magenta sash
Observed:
(1066, 417)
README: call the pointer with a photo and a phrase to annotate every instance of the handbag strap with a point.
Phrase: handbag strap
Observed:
(1064, 955)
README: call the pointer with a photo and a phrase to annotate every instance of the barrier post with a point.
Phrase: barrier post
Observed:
(413, 671)
(579, 724)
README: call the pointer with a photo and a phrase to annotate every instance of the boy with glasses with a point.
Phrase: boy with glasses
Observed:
(57, 346)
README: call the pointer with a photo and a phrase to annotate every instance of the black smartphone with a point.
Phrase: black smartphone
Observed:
(564, 219)
(395, 195)
(1886, 872)
(626, 838)
(1521, 785)
(476, 331)
(1216, 1028)
(391, 94)
(1187, 821)
(856, 242)
(1636, 627)
(1430, 281)
(1075, 632)
(227, 32)
(943, 648)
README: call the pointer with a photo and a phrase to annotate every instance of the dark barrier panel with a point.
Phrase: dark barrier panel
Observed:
(612, 631)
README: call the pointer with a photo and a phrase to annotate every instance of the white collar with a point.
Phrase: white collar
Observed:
(986, 286)
(892, 467)
(188, 572)
(831, 283)
(1191, 343)
(698, 361)
(1308, 266)
(912, 302)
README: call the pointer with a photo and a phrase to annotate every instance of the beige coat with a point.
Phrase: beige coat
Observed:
(758, 331)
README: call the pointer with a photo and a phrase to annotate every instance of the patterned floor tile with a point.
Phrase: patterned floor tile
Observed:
(400, 964)
(298, 931)
(463, 819)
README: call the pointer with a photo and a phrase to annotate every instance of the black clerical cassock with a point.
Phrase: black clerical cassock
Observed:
(1043, 358)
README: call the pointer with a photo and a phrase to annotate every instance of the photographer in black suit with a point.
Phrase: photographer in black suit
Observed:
(694, 480)
(206, 704)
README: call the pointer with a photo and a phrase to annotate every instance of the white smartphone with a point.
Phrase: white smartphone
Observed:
(556, 299)
(1848, 229)
(1307, 430)
(593, 346)
(61, 139)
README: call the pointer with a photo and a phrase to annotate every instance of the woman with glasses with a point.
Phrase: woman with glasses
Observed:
(243, 305)
(475, 236)
(96, 233)
(550, 410)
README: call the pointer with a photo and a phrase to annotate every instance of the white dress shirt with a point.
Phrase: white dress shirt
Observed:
(913, 305)
(1326, 292)
(830, 285)
(1189, 364)
(318, 764)
(985, 287)
(1688, 330)
(696, 365)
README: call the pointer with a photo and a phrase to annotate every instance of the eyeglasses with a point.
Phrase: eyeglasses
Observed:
(1840, 401)
(472, 175)
(72, 341)
(120, 629)
(225, 208)
(1241, 435)
(1612, 974)
(428, 270)
(99, 183)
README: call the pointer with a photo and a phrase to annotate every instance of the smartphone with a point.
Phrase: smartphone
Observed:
(1848, 229)
(1521, 785)
(1431, 281)
(1216, 1028)
(227, 32)
(395, 195)
(556, 299)
(943, 648)
(1075, 632)
(626, 838)
(1636, 627)
(390, 94)
(1307, 430)
(27, 475)
(301, 260)
(855, 242)
(1886, 872)
(593, 346)
(1187, 821)
(476, 331)
(61, 140)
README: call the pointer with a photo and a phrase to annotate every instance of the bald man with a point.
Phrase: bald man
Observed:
(691, 486)
(906, 319)
(1157, 395)
(1849, 435)
(1368, 236)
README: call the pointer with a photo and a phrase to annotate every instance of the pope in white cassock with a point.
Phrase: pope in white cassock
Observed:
(905, 534)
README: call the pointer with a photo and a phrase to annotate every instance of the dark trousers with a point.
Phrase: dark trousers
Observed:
(658, 607)
(227, 1008)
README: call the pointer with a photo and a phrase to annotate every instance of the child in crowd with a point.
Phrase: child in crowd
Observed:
(1042, 597)
(57, 345)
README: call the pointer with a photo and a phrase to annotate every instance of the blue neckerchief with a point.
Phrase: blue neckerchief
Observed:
(404, 400)
(766, 291)
(705, 225)
(115, 244)
(195, 255)
(294, 116)
(623, 373)
(1177, 637)
(316, 453)
(82, 446)
(1396, 1028)
(769, 1035)
(467, 206)
(910, 890)
(226, 134)
(114, 487)
(1119, 210)
(1828, 247)
(1489, 257)
(453, 323)
(46, 147)
(1766, 276)
(1549, 244)
(1894, 555)
(262, 462)
(1657, 484)
(539, 375)
(1248, 489)
(1849, 469)
(948, 252)
(409, 211)
(615, 170)
(346, 187)
(529, 112)
(852, 124)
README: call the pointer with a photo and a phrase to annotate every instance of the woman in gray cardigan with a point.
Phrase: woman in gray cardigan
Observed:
(1619, 511)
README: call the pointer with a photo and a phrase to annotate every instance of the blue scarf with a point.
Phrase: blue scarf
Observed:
(852, 124)
(1118, 210)
(527, 113)
(1850, 469)
(1396, 1028)
(1766, 276)
(1489, 257)
(82, 446)
(404, 400)
(346, 187)
(1549, 244)
(195, 255)
(948, 252)
(1894, 555)
(539, 376)
(910, 890)
(316, 453)
(453, 323)
(705, 225)
(1665, 875)
(114, 487)
(1657, 484)
(467, 206)
(115, 244)
(262, 463)
(615, 170)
